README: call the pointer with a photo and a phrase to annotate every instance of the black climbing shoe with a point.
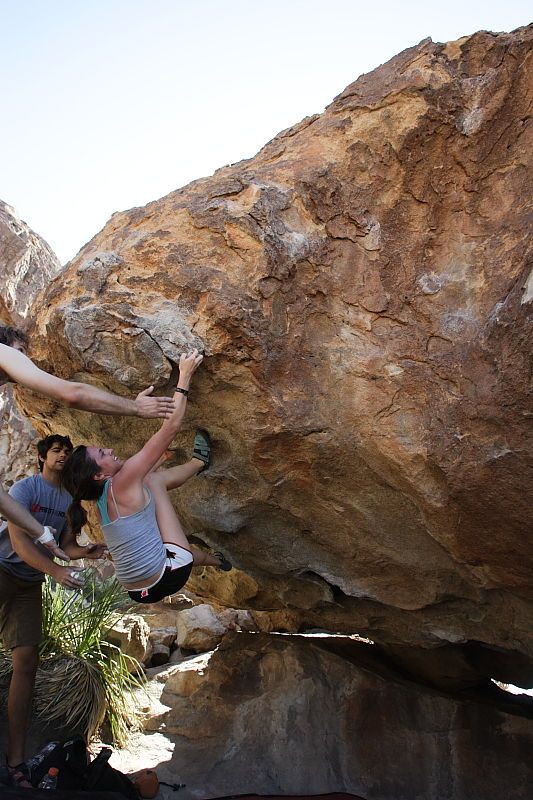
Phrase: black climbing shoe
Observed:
(202, 448)
(224, 565)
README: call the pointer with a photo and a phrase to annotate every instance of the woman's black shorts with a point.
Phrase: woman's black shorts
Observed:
(171, 581)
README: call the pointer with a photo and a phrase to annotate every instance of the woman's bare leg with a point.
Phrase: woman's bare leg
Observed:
(201, 558)
(169, 524)
(174, 477)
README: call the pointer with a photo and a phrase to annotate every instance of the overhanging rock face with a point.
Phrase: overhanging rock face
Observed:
(361, 290)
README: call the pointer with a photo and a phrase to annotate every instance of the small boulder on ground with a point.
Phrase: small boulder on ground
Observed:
(165, 636)
(200, 628)
(132, 634)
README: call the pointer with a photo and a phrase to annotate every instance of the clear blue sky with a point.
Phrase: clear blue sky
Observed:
(108, 104)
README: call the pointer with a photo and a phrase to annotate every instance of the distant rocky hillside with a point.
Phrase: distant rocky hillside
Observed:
(18, 458)
(27, 265)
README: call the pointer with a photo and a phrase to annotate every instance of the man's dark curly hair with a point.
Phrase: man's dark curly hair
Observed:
(10, 335)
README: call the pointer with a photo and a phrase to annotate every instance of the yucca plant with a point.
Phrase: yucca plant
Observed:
(84, 680)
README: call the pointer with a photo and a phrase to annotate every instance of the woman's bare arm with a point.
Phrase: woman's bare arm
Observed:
(139, 465)
(81, 395)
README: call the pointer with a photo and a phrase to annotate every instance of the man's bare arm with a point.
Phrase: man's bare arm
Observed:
(81, 395)
(30, 554)
(19, 515)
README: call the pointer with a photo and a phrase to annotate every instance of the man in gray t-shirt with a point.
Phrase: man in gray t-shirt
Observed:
(48, 505)
(21, 575)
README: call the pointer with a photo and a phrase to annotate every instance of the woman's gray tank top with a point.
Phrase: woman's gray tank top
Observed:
(134, 541)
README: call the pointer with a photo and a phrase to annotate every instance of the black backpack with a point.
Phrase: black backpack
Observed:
(100, 776)
(77, 771)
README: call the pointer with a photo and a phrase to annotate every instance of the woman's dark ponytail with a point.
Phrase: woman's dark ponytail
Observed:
(77, 478)
(76, 517)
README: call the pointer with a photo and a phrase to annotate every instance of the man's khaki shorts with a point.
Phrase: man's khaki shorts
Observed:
(21, 616)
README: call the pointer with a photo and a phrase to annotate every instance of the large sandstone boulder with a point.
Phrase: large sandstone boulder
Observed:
(271, 715)
(362, 292)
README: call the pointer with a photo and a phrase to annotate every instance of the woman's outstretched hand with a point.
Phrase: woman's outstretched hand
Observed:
(189, 363)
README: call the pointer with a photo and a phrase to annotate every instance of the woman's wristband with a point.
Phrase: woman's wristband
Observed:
(182, 391)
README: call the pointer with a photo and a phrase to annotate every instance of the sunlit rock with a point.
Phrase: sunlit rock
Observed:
(132, 634)
(360, 289)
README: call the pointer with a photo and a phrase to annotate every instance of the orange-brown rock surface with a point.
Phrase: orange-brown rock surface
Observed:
(361, 289)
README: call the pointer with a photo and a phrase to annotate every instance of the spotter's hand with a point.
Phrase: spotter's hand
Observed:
(153, 407)
(57, 552)
(68, 576)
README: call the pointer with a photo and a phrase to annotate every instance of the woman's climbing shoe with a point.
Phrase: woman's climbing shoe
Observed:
(224, 563)
(202, 448)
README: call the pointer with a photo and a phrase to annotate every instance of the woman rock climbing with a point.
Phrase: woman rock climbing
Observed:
(150, 551)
